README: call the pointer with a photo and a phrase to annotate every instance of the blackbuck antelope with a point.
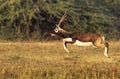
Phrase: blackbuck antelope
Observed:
(80, 39)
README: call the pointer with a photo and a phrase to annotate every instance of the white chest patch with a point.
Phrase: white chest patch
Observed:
(79, 43)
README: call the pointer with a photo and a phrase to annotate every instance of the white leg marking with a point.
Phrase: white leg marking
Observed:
(105, 52)
(64, 45)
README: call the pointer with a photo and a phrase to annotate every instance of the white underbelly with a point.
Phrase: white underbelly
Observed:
(79, 43)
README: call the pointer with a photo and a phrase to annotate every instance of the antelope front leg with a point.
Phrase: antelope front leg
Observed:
(65, 41)
(65, 47)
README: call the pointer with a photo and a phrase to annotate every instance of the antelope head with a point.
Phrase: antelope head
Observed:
(58, 30)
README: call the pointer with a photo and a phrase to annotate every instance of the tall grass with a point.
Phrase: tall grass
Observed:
(48, 60)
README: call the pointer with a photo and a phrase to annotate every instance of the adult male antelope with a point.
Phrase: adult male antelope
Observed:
(80, 39)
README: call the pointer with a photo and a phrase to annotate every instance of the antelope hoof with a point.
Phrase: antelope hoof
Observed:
(68, 52)
(107, 56)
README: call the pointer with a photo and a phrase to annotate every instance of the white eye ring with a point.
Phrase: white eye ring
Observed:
(56, 30)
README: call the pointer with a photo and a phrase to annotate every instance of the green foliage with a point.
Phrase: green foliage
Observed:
(35, 19)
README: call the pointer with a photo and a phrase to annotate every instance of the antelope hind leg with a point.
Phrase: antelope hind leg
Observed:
(106, 49)
(100, 42)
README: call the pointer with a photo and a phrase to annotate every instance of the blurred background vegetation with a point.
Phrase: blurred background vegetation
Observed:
(35, 19)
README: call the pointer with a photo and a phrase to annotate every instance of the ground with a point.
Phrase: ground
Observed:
(49, 60)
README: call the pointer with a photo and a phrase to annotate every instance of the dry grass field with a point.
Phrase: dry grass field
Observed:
(48, 60)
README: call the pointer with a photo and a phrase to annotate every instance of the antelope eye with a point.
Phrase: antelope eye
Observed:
(56, 30)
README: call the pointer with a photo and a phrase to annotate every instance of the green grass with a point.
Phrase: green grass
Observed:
(48, 60)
